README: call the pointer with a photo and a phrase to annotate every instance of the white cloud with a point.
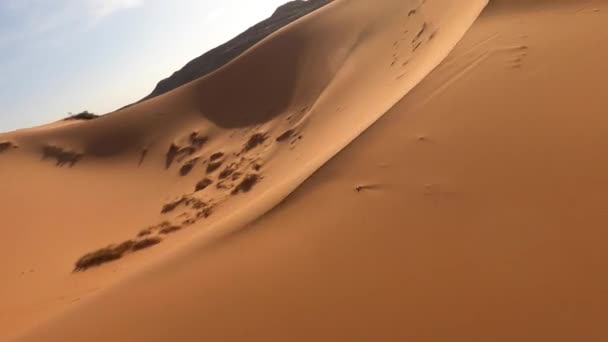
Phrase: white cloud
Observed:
(102, 8)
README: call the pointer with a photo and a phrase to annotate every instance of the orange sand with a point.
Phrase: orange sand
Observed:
(472, 210)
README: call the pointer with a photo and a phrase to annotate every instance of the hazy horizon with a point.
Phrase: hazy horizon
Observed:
(99, 55)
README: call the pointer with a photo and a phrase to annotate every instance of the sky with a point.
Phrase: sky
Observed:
(62, 56)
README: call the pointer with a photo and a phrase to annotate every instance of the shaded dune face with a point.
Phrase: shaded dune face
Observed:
(265, 87)
(261, 87)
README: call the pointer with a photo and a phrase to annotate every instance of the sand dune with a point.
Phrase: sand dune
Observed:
(471, 211)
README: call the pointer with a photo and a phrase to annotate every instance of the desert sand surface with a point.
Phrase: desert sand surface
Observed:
(472, 210)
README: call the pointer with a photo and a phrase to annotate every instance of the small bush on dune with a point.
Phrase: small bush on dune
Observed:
(103, 255)
(169, 230)
(5, 145)
(82, 116)
(247, 184)
(113, 252)
(254, 141)
(145, 243)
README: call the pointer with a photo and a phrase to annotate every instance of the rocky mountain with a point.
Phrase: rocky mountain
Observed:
(217, 57)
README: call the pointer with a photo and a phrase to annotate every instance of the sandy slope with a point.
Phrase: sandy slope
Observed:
(274, 115)
(472, 211)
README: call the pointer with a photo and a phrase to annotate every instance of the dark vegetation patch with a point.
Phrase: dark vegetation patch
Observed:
(145, 243)
(143, 155)
(85, 116)
(227, 172)
(286, 135)
(195, 203)
(206, 212)
(216, 156)
(171, 154)
(103, 255)
(147, 237)
(198, 141)
(255, 140)
(169, 230)
(186, 168)
(224, 185)
(246, 184)
(145, 232)
(151, 230)
(236, 175)
(5, 145)
(113, 252)
(188, 222)
(61, 156)
(179, 153)
(202, 185)
(169, 207)
(213, 166)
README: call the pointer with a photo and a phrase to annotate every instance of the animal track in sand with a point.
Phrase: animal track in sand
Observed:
(421, 32)
(285, 135)
(423, 138)
(520, 53)
(143, 155)
(363, 187)
(295, 140)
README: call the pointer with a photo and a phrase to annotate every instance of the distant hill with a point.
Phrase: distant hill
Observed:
(214, 59)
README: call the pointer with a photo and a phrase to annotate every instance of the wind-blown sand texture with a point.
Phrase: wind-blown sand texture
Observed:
(471, 211)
